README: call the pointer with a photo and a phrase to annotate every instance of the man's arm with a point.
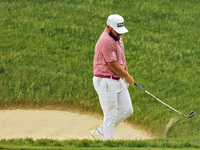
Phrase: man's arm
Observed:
(118, 69)
(126, 68)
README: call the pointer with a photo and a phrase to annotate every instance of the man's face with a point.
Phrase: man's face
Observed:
(114, 34)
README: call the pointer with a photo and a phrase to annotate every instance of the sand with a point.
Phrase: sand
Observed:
(60, 125)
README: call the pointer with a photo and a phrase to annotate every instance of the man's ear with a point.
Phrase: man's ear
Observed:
(108, 28)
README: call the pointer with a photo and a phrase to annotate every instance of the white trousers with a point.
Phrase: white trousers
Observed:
(115, 102)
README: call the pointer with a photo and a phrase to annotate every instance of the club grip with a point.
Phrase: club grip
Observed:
(139, 87)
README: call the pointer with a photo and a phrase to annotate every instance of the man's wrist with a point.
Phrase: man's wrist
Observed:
(126, 75)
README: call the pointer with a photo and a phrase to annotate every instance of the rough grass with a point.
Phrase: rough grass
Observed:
(47, 49)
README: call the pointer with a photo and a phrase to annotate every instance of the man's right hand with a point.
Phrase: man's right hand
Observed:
(129, 79)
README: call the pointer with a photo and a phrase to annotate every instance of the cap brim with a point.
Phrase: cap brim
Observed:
(121, 30)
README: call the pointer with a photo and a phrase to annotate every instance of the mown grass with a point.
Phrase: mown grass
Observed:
(91, 144)
(47, 47)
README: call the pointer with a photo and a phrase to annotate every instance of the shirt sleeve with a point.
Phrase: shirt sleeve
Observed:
(109, 51)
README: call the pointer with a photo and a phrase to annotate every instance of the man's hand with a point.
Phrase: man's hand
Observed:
(129, 79)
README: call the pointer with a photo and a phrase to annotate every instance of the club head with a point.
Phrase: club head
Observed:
(191, 114)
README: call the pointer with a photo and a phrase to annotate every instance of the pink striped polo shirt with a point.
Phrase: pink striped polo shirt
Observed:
(108, 50)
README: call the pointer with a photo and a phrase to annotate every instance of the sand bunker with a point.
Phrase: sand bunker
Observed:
(60, 125)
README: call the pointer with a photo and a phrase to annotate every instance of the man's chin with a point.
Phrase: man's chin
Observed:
(113, 36)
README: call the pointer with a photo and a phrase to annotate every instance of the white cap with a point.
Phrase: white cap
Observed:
(117, 23)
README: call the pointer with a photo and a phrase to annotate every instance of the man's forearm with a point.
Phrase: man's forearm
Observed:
(126, 68)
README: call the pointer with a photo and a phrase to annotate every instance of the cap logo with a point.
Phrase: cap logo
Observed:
(120, 24)
(108, 21)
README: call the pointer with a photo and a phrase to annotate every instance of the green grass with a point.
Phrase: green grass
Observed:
(91, 144)
(47, 48)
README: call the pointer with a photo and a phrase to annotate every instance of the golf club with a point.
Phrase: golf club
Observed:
(191, 114)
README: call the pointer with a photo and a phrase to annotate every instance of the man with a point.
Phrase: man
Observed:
(109, 66)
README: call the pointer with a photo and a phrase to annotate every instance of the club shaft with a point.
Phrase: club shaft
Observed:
(159, 100)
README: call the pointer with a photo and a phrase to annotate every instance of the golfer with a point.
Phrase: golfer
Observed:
(109, 66)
